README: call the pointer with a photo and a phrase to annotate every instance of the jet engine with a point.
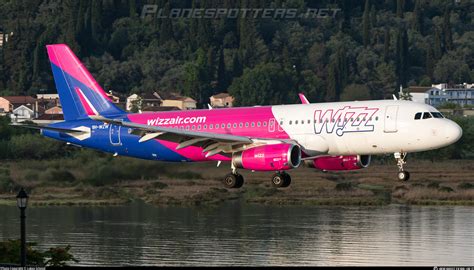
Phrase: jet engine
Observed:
(340, 163)
(271, 157)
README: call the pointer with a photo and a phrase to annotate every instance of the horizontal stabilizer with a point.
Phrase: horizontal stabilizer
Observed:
(63, 130)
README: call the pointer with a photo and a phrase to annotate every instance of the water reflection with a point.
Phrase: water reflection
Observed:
(240, 234)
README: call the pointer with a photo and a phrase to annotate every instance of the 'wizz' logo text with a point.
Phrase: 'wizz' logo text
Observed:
(347, 119)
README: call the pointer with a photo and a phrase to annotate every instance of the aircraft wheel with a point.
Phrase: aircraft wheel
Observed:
(287, 178)
(403, 175)
(278, 180)
(231, 180)
(240, 181)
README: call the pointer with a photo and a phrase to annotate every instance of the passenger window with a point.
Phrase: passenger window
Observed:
(246, 124)
(193, 127)
(309, 121)
(199, 127)
(264, 124)
(426, 115)
(417, 116)
(290, 122)
(235, 125)
(253, 124)
(376, 118)
(258, 124)
(296, 122)
(205, 127)
(228, 125)
(241, 125)
(222, 125)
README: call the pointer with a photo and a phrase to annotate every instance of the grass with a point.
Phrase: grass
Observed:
(87, 180)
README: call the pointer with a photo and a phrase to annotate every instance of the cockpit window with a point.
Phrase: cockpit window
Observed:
(417, 116)
(437, 115)
(427, 115)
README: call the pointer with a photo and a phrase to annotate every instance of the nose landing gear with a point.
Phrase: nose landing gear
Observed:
(402, 174)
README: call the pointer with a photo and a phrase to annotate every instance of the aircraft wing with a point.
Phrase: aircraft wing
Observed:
(212, 143)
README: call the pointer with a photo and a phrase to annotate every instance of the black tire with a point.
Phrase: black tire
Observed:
(278, 180)
(240, 181)
(403, 175)
(287, 179)
(230, 180)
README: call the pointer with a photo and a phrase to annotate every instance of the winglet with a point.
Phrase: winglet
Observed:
(304, 100)
(209, 106)
(394, 97)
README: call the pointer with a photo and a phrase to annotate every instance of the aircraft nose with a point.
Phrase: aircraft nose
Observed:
(452, 132)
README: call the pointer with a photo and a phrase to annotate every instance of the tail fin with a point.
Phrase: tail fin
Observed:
(80, 95)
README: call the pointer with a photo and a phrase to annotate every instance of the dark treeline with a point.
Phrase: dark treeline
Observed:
(366, 51)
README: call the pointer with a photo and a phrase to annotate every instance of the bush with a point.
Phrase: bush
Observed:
(433, 184)
(31, 175)
(34, 146)
(445, 189)
(159, 185)
(185, 175)
(58, 256)
(56, 175)
(344, 186)
(6, 184)
(466, 186)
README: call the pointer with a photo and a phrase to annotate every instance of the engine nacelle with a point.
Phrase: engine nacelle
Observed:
(340, 163)
(271, 157)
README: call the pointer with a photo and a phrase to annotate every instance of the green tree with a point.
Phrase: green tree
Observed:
(355, 92)
(366, 23)
(417, 19)
(402, 60)
(448, 38)
(265, 84)
(386, 45)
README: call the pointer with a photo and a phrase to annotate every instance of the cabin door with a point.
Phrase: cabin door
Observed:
(114, 134)
(390, 120)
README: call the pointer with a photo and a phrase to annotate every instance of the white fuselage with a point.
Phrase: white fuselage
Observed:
(365, 127)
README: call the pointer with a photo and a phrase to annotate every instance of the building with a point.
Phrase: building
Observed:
(22, 113)
(183, 103)
(160, 109)
(461, 94)
(419, 93)
(145, 100)
(9, 103)
(54, 110)
(46, 119)
(221, 100)
(47, 101)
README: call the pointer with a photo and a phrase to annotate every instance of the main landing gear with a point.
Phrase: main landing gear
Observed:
(402, 174)
(281, 179)
(236, 180)
(233, 180)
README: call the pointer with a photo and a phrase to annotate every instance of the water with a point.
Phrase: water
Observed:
(241, 234)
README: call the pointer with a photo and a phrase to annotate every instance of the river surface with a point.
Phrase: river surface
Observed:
(236, 233)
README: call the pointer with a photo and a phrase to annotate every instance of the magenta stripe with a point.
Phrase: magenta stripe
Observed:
(61, 56)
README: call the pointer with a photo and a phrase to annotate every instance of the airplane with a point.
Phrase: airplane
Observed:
(333, 136)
